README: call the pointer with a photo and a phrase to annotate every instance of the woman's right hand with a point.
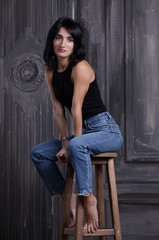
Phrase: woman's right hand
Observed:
(62, 156)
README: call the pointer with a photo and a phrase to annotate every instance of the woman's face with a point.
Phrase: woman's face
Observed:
(63, 44)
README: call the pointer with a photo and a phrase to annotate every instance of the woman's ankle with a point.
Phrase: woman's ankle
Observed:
(89, 196)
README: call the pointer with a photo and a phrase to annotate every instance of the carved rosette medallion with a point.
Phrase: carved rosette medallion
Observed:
(27, 72)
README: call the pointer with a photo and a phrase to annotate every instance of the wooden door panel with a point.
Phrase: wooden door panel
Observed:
(142, 87)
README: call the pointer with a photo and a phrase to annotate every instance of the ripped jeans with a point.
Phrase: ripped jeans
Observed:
(100, 134)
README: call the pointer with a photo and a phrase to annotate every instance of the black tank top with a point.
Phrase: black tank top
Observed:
(64, 87)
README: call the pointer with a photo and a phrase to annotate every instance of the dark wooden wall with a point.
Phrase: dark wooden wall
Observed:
(123, 47)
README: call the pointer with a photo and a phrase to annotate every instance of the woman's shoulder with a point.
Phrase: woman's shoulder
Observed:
(83, 70)
(83, 66)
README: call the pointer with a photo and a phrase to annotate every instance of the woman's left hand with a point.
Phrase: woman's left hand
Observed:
(62, 156)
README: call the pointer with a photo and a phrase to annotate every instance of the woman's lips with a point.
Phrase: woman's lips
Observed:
(61, 50)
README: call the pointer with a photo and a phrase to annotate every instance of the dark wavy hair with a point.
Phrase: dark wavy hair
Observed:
(76, 31)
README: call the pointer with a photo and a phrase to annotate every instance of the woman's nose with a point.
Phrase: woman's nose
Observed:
(63, 42)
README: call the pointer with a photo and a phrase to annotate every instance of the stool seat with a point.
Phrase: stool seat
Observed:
(107, 154)
(102, 158)
(106, 159)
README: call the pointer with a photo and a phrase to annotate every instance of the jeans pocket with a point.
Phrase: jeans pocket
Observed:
(98, 124)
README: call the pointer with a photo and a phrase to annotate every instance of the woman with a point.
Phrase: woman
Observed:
(72, 84)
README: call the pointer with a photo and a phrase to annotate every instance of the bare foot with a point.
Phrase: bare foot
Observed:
(90, 206)
(73, 210)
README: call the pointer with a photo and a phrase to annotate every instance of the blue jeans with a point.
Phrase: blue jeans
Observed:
(100, 134)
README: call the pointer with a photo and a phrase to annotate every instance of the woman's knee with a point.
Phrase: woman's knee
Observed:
(72, 146)
(34, 154)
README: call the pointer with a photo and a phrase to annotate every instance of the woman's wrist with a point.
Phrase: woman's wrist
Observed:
(64, 138)
(64, 141)
(64, 144)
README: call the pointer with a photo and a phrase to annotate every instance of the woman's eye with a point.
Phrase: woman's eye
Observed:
(71, 40)
(57, 37)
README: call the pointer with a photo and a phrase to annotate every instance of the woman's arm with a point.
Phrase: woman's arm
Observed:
(82, 76)
(59, 114)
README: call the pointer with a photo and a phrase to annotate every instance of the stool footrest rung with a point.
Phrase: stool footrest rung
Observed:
(98, 233)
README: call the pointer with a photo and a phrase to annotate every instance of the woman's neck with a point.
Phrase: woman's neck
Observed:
(62, 64)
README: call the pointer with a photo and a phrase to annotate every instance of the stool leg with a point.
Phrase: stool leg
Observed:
(79, 218)
(100, 197)
(114, 200)
(67, 200)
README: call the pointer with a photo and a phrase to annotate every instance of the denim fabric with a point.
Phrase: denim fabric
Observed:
(100, 134)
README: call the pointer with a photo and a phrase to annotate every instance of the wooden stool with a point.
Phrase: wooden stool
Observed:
(97, 160)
